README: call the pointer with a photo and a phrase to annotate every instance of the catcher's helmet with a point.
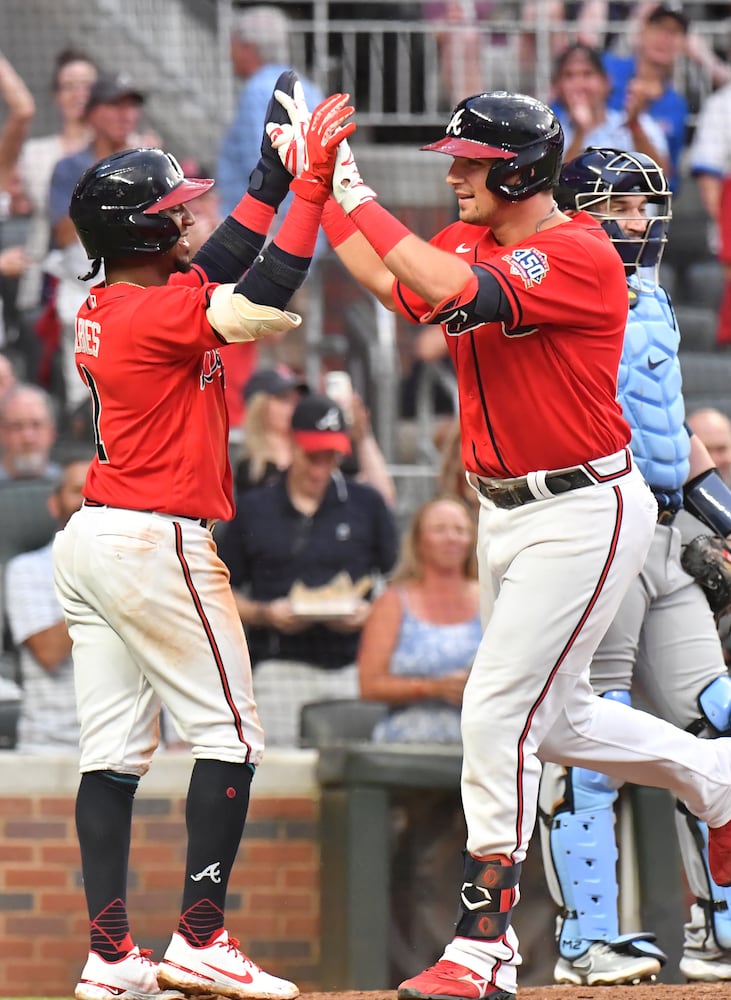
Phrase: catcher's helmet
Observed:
(116, 203)
(521, 133)
(590, 180)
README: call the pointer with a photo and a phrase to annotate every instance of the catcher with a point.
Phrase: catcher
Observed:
(664, 634)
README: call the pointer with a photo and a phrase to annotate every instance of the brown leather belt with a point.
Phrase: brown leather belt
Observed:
(515, 492)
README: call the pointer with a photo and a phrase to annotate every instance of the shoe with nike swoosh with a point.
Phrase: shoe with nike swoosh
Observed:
(221, 969)
(132, 977)
(449, 981)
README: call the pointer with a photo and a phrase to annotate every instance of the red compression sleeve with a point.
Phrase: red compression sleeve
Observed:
(382, 230)
(337, 225)
(298, 232)
(253, 214)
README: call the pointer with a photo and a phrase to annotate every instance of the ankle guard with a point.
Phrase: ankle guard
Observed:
(489, 893)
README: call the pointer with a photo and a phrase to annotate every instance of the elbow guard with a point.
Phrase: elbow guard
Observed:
(708, 498)
(238, 319)
(482, 300)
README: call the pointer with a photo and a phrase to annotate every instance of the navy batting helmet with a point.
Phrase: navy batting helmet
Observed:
(592, 179)
(521, 133)
(117, 202)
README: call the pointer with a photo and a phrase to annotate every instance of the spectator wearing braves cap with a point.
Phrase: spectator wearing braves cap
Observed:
(326, 534)
(271, 395)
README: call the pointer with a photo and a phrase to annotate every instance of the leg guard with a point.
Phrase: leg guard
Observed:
(714, 702)
(489, 893)
(584, 856)
(713, 900)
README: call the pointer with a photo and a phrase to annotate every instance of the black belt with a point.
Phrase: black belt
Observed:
(515, 492)
(205, 522)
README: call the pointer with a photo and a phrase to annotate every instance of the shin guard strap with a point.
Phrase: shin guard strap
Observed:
(489, 893)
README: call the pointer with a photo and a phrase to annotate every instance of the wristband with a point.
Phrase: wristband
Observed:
(382, 230)
(298, 233)
(338, 226)
(254, 214)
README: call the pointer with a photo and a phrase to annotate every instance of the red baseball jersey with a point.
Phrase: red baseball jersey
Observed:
(150, 359)
(539, 392)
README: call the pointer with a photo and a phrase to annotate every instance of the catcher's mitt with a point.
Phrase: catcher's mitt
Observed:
(708, 560)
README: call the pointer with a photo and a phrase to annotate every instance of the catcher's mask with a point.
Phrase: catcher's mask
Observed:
(519, 132)
(590, 181)
(117, 202)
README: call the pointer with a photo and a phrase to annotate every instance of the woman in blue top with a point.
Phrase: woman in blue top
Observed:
(422, 633)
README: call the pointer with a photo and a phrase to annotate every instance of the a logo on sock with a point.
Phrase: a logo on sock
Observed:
(212, 871)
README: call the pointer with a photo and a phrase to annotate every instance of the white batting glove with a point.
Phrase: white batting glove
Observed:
(349, 188)
(289, 140)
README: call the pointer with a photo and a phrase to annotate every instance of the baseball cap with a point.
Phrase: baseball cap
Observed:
(274, 381)
(109, 89)
(664, 10)
(318, 424)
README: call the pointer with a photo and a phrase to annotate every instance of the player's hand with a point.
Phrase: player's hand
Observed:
(269, 180)
(348, 186)
(289, 138)
(328, 127)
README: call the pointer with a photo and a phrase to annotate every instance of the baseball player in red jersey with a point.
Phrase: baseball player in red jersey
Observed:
(533, 305)
(147, 600)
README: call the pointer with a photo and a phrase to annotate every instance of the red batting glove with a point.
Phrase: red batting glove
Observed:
(328, 127)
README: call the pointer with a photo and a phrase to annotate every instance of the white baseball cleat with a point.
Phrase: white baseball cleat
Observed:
(602, 965)
(219, 968)
(133, 977)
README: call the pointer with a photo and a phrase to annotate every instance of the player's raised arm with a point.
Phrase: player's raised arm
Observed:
(255, 305)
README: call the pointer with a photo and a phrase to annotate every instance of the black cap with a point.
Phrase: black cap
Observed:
(274, 381)
(109, 89)
(664, 10)
(318, 424)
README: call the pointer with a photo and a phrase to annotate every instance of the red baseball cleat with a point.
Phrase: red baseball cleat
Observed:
(448, 981)
(719, 853)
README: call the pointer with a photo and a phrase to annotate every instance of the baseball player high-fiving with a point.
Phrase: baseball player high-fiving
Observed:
(146, 598)
(533, 306)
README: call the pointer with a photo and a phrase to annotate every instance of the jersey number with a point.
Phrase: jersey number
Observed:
(96, 412)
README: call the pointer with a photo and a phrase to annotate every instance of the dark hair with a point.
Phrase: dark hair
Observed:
(66, 56)
(592, 56)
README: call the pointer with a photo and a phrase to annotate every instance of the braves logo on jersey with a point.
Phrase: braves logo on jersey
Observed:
(211, 368)
(529, 264)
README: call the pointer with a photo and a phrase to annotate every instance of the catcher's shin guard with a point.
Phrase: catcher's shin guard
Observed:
(714, 900)
(583, 851)
(714, 701)
(487, 897)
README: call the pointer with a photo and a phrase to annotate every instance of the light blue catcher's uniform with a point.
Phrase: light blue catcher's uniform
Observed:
(665, 636)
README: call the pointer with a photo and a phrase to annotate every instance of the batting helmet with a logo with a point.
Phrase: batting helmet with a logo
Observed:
(520, 133)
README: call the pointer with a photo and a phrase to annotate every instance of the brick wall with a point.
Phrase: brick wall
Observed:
(273, 901)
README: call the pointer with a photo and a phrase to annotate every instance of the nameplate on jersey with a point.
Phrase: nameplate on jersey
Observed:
(529, 264)
(87, 337)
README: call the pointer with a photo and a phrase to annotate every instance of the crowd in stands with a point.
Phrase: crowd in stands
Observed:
(603, 93)
(330, 609)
